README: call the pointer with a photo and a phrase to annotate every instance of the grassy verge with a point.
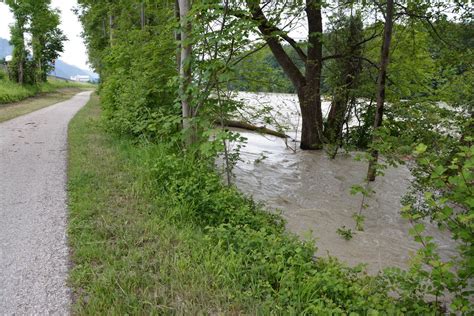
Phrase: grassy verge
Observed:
(127, 257)
(12, 110)
(153, 231)
(34, 98)
(12, 92)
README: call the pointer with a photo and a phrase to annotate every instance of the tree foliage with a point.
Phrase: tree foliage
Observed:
(422, 82)
(33, 60)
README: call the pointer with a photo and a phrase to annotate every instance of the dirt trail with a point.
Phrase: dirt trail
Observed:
(33, 211)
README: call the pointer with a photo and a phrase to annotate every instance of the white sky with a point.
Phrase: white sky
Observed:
(75, 52)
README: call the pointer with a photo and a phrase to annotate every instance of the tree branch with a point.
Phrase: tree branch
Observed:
(276, 31)
(281, 56)
(248, 54)
(365, 40)
(426, 19)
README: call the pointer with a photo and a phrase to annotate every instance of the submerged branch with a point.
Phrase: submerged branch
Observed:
(254, 128)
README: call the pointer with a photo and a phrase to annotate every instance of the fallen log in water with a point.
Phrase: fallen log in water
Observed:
(254, 128)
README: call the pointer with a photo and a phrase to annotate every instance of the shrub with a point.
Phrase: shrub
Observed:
(268, 264)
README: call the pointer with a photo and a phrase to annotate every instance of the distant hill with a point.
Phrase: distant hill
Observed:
(63, 69)
(5, 48)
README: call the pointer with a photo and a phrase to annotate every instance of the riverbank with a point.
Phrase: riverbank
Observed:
(313, 194)
(153, 230)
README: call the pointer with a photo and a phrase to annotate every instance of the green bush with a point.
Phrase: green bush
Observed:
(267, 263)
(3, 75)
(138, 96)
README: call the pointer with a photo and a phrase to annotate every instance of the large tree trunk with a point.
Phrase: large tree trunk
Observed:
(384, 60)
(307, 85)
(312, 131)
(308, 99)
(185, 66)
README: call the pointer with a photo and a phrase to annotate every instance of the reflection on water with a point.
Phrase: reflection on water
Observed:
(313, 194)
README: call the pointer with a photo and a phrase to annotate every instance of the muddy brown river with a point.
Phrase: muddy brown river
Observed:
(312, 192)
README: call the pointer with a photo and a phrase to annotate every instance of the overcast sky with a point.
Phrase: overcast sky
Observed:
(74, 49)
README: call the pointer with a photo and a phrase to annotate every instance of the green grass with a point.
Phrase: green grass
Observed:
(16, 100)
(13, 92)
(153, 231)
(12, 110)
(127, 257)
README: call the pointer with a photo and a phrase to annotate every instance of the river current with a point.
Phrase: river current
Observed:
(312, 193)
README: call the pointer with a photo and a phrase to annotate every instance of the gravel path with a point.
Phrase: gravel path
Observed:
(33, 211)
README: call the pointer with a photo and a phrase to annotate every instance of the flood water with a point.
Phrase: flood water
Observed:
(312, 192)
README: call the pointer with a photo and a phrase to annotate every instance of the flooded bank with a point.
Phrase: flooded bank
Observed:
(312, 192)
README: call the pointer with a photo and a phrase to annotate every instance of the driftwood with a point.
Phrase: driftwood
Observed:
(254, 128)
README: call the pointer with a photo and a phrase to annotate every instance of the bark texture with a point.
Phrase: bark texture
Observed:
(384, 61)
(307, 85)
(185, 65)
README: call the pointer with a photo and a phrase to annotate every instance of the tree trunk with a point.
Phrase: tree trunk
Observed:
(307, 85)
(351, 68)
(254, 128)
(21, 61)
(336, 117)
(21, 72)
(111, 29)
(312, 129)
(177, 37)
(338, 111)
(37, 57)
(310, 139)
(142, 15)
(22, 51)
(185, 67)
(384, 60)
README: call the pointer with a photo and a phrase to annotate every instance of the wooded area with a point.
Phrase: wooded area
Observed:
(399, 77)
(404, 70)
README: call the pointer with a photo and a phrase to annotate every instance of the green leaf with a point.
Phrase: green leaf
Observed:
(421, 148)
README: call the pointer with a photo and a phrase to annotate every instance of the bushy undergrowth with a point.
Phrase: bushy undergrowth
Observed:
(216, 251)
(267, 263)
(141, 77)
